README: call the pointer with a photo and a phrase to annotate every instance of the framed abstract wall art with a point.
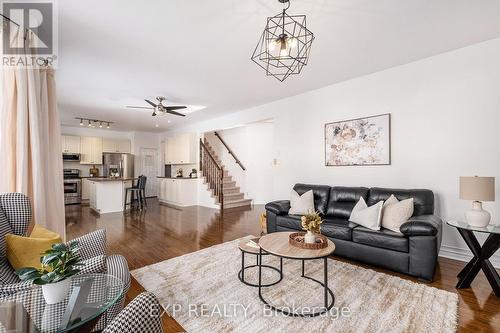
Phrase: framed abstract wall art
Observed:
(362, 141)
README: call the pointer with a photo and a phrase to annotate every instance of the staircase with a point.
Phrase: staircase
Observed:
(224, 188)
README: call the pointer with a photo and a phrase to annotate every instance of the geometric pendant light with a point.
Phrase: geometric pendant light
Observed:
(284, 46)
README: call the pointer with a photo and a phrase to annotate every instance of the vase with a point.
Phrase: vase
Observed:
(310, 238)
(56, 292)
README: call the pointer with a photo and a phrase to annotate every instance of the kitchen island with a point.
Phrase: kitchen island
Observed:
(107, 195)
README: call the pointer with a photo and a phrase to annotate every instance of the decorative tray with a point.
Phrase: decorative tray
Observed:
(297, 239)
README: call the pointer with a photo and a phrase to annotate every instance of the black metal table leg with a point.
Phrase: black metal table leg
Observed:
(303, 268)
(325, 281)
(480, 260)
(243, 266)
(241, 273)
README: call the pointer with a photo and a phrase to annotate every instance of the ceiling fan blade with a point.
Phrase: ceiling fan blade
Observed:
(175, 107)
(150, 103)
(138, 107)
(176, 113)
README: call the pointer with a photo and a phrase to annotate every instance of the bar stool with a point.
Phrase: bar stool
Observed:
(138, 189)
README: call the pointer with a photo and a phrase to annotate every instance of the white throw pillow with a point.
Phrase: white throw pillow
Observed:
(368, 217)
(301, 204)
(395, 213)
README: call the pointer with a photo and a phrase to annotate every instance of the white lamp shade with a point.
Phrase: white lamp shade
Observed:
(477, 188)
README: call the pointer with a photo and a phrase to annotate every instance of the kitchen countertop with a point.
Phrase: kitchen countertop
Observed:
(108, 179)
(177, 177)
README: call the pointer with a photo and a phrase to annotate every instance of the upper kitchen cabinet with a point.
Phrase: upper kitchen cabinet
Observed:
(181, 149)
(70, 144)
(91, 150)
(116, 146)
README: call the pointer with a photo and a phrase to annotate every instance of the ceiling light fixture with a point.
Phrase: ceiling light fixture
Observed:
(92, 123)
(284, 46)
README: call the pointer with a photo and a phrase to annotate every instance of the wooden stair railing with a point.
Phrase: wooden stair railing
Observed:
(230, 151)
(213, 173)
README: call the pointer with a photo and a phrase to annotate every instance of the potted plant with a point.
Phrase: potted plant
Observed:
(58, 264)
(311, 222)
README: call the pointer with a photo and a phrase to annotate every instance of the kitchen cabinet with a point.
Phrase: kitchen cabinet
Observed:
(116, 146)
(70, 144)
(92, 194)
(85, 189)
(179, 192)
(169, 150)
(91, 150)
(182, 149)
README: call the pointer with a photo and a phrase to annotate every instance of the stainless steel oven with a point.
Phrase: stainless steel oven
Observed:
(72, 186)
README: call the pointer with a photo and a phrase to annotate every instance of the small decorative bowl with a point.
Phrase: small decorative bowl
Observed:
(297, 239)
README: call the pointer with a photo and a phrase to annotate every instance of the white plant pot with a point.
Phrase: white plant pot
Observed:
(310, 238)
(56, 292)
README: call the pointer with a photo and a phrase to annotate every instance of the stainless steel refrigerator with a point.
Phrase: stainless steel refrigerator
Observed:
(118, 165)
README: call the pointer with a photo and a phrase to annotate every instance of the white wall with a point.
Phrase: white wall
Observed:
(445, 116)
(253, 145)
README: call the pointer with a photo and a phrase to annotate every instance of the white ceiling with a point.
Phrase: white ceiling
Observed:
(114, 53)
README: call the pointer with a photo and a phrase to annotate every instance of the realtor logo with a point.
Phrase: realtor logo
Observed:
(29, 34)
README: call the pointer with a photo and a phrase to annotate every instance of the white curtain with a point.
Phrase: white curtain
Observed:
(30, 140)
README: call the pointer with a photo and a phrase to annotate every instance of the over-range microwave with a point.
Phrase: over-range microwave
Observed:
(71, 157)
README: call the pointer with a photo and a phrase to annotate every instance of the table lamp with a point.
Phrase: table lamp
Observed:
(477, 189)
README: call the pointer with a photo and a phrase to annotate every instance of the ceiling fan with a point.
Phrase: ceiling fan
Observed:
(160, 108)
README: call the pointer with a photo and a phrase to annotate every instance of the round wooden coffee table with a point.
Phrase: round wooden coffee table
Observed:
(277, 244)
(247, 247)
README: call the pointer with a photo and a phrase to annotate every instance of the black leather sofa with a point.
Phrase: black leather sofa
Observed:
(414, 252)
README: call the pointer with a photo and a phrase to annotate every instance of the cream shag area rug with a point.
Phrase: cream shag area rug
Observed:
(202, 292)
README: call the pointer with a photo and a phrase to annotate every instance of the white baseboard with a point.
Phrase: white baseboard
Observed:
(462, 254)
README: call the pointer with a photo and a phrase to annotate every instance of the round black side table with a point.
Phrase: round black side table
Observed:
(251, 247)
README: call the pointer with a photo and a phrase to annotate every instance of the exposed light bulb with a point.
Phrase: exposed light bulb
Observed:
(283, 52)
(292, 42)
(81, 122)
(90, 124)
(272, 45)
(283, 47)
(100, 124)
(107, 126)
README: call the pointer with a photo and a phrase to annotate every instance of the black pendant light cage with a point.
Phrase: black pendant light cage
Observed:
(284, 46)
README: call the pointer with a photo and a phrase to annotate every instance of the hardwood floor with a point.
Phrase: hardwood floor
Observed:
(162, 232)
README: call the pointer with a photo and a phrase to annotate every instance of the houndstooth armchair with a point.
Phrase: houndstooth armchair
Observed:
(143, 315)
(15, 217)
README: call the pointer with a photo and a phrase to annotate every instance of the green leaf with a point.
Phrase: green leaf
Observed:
(59, 247)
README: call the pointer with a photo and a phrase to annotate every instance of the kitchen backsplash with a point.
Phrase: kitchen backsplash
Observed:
(84, 169)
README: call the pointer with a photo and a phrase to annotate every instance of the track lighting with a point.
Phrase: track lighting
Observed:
(92, 123)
